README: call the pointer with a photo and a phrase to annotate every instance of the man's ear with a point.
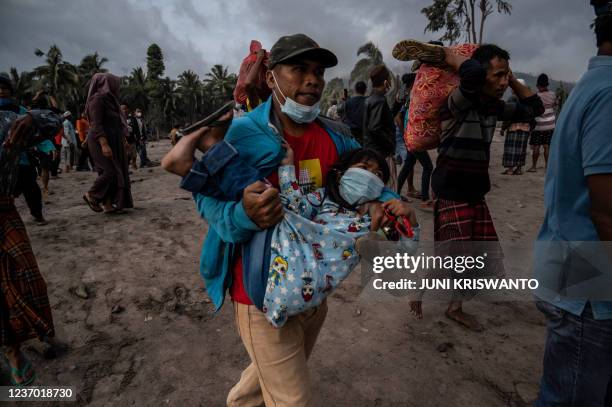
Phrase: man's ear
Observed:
(270, 79)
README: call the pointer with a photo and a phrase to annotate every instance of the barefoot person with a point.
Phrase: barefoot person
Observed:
(24, 306)
(277, 375)
(461, 178)
(111, 191)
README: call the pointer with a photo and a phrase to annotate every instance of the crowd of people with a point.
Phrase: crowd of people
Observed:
(41, 142)
(289, 194)
(288, 128)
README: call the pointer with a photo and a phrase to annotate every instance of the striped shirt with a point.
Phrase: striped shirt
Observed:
(468, 125)
(546, 121)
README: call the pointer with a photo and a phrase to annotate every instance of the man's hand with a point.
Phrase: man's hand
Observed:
(521, 91)
(20, 130)
(262, 204)
(400, 208)
(377, 214)
(106, 150)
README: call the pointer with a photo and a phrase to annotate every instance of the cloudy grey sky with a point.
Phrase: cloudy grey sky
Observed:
(541, 35)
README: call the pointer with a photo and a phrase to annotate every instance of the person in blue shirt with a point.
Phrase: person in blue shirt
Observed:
(573, 269)
(278, 372)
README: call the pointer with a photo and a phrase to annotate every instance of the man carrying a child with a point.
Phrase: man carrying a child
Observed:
(277, 374)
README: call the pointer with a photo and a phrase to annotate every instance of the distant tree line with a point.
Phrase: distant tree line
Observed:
(166, 102)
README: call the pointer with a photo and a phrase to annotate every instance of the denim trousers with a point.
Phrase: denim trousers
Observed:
(411, 159)
(577, 360)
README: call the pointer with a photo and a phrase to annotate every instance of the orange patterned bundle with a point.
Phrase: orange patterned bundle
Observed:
(429, 93)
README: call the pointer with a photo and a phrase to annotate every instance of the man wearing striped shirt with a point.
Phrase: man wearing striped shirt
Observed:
(545, 124)
(461, 178)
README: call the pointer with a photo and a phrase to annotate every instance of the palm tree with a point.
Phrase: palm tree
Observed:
(220, 84)
(22, 84)
(333, 91)
(362, 68)
(190, 91)
(136, 90)
(90, 65)
(373, 57)
(372, 52)
(169, 97)
(57, 77)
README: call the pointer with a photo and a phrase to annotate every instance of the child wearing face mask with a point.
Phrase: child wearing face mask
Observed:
(314, 247)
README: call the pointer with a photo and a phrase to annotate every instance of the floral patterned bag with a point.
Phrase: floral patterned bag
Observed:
(431, 89)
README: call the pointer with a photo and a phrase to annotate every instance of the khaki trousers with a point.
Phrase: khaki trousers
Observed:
(277, 375)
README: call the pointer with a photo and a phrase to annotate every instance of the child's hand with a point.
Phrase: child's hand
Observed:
(288, 160)
(401, 208)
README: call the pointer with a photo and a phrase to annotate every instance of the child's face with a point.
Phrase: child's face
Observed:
(371, 166)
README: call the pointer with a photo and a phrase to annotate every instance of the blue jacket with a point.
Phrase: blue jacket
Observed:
(257, 137)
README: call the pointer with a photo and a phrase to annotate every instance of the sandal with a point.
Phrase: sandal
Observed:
(27, 373)
(409, 50)
(94, 206)
(518, 171)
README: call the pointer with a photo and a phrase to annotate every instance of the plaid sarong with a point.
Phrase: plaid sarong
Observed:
(515, 149)
(24, 306)
(463, 221)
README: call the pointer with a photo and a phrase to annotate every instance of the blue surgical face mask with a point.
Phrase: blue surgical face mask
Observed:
(358, 186)
(297, 112)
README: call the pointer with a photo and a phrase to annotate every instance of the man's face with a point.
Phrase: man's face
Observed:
(138, 113)
(125, 110)
(5, 92)
(301, 81)
(498, 76)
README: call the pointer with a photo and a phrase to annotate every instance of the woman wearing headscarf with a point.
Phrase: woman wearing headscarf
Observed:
(24, 305)
(110, 192)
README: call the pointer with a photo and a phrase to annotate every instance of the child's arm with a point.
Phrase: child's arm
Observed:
(401, 208)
